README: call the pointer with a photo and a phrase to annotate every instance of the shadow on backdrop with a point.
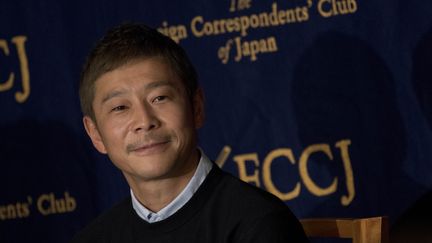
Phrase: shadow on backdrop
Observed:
(342, 89)
(415, 224)
(46, 163)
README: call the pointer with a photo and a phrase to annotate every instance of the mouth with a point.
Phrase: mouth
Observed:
(148, 148)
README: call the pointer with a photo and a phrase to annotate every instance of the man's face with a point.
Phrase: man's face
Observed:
(145, 120)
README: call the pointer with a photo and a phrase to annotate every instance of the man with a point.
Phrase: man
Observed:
(142, 107)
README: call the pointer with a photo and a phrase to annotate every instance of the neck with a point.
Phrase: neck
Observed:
(158, 193)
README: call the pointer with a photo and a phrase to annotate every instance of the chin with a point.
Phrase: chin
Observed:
(155, 171)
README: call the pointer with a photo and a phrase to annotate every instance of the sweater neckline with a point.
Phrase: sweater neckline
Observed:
(183, 215)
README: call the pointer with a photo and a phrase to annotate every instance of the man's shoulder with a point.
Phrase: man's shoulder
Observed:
(256, 213)
(111, 219)
(242, 192)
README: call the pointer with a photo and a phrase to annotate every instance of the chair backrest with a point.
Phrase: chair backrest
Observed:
(361, 230)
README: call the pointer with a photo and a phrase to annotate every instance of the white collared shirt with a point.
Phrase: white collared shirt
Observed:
(202, 170)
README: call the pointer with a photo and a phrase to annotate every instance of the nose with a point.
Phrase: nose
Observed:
(145, 118)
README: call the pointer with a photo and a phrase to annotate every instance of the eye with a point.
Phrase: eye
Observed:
(119, 108)
(159, 99)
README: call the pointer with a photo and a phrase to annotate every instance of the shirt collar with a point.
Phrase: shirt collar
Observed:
(201, 172)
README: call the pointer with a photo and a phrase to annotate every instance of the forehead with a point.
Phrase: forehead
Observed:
(135, 74)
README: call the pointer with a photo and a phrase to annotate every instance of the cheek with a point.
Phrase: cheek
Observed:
(179, 123)
(185, 130)
(183, 122)
(114, 135)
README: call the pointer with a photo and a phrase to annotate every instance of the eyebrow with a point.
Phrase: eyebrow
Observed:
(150, 86)
(157, 84)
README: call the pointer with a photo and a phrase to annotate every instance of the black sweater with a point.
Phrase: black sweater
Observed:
(224, 209)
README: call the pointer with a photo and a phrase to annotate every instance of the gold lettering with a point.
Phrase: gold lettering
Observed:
(291, 17)
(305, 14)
(254, 21)
(15, 210)
(237, 25)
(242, 24)
(48, 204)
(224, 51)
(342, 6)
(22, 96)
(70, 202)
(239, 49)
(3, 213)
(334, 8)
(60, 206)
(298, 14)
(43, 204)
(23, 210)
(352, 6)
(9, 82)
(164, 28)
(309, 183)
(241, 4)
(195, 21)
(273, 16)
(223, 155)
(325, 12)
(254, 47)
(271, 44)
(343, 146)
(244, 4)
(264, 19)
(241, 164)
(244, 20)
(176, 33)
(11, 211)
(219, 27)
(266, 170)
(282, 16)
(328, 8)
(232, 6)
(230, 25)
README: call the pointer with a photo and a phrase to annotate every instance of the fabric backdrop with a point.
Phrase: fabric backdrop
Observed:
(324, 103)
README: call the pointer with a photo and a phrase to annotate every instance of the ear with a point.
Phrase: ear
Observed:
(93, 133)
(198, 108)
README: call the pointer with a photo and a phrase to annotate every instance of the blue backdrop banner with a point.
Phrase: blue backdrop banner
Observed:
(325, 103)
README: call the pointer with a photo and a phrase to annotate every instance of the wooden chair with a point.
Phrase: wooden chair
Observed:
(361, 230)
